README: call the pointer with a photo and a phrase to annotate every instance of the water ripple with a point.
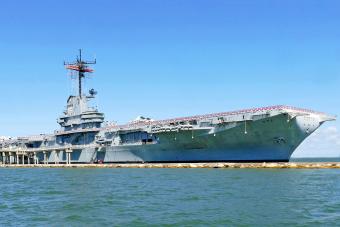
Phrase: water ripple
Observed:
(169, 197)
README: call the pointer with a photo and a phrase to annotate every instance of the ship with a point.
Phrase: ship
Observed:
(267, 134)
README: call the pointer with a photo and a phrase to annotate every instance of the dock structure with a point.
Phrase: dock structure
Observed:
(28, 156)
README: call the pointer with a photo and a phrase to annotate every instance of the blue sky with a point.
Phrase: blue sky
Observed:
(170, 58)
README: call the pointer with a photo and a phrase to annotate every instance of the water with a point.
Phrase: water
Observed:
(314, 160)
(176, 197)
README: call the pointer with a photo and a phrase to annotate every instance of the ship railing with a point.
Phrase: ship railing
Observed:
(214, 115)
(77, 131)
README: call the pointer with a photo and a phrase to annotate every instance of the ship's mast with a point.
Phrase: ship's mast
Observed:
(81, 67)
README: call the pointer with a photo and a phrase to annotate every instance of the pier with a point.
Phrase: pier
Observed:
(28, 156)
(265, 165)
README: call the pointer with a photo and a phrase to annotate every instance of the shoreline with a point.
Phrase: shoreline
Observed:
(264, 165)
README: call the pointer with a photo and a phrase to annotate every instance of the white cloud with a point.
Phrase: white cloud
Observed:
(325, 142)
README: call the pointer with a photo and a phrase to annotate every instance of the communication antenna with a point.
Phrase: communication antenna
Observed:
(81, 67)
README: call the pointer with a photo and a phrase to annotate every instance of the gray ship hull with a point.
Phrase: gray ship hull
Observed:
(267, 140)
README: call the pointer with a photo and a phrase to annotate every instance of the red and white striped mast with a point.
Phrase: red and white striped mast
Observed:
(81, 67)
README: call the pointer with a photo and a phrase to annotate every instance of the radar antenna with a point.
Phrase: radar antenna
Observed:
(81, 67)
(92, 92)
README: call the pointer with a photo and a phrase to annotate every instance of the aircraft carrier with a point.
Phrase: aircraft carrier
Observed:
(268, 134)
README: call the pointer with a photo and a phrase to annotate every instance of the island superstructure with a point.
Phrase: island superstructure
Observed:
(267, 134)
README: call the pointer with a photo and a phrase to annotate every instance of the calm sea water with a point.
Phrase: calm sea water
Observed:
(172, 197)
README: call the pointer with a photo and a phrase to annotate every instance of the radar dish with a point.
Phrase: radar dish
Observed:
(92, 92)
